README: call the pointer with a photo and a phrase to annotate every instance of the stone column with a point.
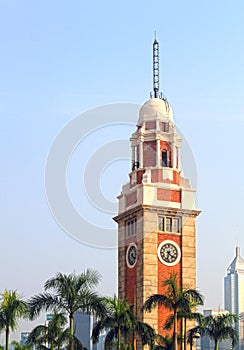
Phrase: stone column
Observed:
(140, 160)
(158, 154)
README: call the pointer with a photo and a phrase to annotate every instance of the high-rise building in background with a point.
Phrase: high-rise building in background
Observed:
(23, 337)
(234, 294)
(83, 324)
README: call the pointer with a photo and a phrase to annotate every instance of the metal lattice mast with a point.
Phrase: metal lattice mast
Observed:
(156, 68)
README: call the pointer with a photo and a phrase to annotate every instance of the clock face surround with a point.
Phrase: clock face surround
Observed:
(169, 253)
(131, 255)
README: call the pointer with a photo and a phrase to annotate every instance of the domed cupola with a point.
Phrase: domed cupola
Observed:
(157, 108)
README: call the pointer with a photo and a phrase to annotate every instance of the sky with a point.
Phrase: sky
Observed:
(62, 61)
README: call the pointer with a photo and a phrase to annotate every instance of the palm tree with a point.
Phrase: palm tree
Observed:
(69, 293)
(53, 336)
(17, 346)
(183, 315)
(217, 327)
(121, 323)
(176, 300)
(163, 343)
(189, 316)
(12, 308)
(192, 334)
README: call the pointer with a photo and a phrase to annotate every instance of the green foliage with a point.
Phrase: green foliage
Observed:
(53, 336)
(163, 343)
(217, 328)
(17, 346)
(69, 294)
(12, 308)
(177, 300)
(122, 325)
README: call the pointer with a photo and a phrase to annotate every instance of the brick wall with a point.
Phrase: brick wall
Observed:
(130, 283)
(150, 125)
(168, 195)
(149, 153)
(156, 176)
(131, 198)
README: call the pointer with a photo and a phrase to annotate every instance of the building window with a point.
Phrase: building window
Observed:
(131, 227)
(164, 158)
(177, 157)
(169, 224)
(176, 223)
(161, 223)
(165, 127)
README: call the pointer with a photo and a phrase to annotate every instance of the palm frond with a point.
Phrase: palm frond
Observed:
(98, 328)
(146, 333)
(157, 300)
(169, 322)
(109, 340)
(44, 301)
(12, 308)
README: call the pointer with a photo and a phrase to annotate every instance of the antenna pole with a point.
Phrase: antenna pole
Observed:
(155, 68)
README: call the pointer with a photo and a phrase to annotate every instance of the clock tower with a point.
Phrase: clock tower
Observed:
(157, 215)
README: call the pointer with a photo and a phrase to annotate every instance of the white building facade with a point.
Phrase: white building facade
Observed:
(234, 294)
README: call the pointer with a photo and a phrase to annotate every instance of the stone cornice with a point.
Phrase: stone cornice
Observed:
(160, 210)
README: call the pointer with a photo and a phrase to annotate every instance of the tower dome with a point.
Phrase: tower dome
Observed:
(155, 109)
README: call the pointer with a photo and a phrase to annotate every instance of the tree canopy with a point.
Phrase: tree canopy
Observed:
(217, 327)
(69, 293)
(177, 300)
(122, 325)
(12, 308)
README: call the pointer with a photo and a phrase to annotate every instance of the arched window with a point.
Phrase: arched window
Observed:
(164, 158)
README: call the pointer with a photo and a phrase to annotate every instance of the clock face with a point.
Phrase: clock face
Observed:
(169, 253)
(131, 255)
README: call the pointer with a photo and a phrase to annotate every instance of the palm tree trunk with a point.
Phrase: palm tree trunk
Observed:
(118, 341)
(71, 332)
(191, 343)
(7, 338)
(184, 333)
(134, 341)
(175, 347)
(216, 345)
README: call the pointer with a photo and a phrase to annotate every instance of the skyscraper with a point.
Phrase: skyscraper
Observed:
(83, 324)
(234, 294)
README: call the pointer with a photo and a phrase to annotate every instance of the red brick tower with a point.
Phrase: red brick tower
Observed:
(157, 216)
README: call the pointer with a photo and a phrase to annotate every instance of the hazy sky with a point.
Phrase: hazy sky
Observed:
(61, 58)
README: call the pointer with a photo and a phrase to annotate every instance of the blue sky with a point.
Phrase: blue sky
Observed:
(59, 59)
